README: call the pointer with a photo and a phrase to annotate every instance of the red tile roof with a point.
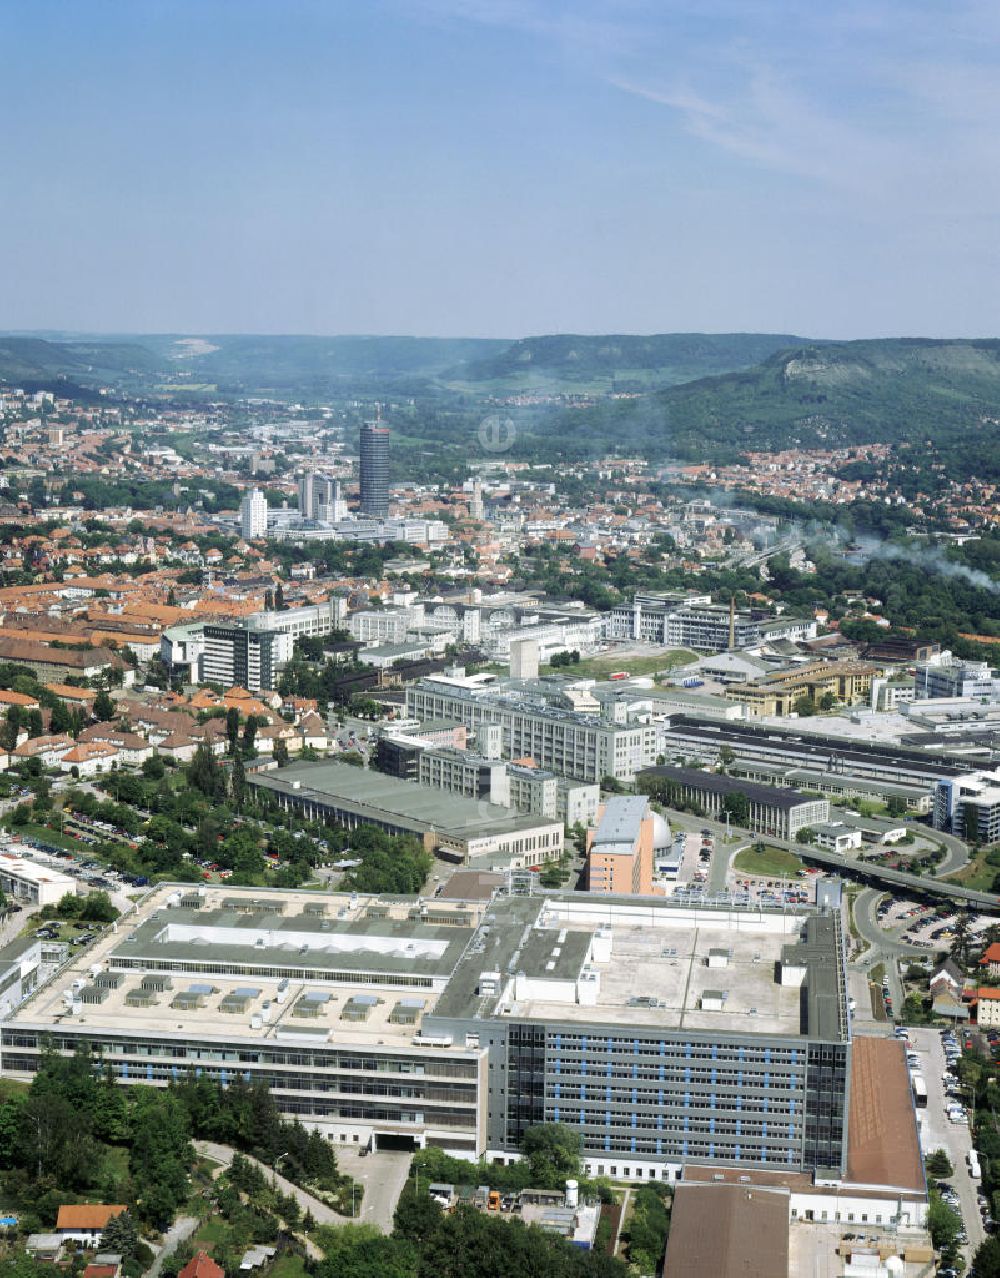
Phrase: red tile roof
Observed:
(87, 1215)
(202, 1266)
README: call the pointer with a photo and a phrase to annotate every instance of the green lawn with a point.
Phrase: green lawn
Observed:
(211, 1231)
(776, 863)
(288, 1265)
(978, 874)
(601, 667)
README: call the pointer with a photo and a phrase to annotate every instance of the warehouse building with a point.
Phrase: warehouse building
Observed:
(461, 829)
(772, 811)
(398, 1023)
(22, 879)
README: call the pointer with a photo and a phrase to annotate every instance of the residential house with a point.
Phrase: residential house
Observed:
(86, 1222)
(991, 959)
(90, 758)
(201, 1265)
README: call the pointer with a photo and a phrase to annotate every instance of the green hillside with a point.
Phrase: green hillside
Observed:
(34, 359)
(315, 365)
(816, 395)
(572, 362)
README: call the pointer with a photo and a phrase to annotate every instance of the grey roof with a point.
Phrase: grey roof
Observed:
(819, 951)
(620, 826)
(403, 804)
(718, 783)
(151, 946)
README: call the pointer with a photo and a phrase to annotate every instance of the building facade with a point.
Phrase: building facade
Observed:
(374, 470)
(397, 1023)
(253, 515)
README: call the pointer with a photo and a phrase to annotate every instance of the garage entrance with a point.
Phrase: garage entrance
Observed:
(395, 1141)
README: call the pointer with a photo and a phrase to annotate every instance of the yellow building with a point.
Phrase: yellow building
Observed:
(848, 681)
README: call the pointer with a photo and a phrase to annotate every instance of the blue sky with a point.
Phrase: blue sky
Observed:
(501, 167)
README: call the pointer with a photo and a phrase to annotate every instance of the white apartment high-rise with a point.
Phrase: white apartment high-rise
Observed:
(253, 514)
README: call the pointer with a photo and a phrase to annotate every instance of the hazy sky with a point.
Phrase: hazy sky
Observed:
(500, 167)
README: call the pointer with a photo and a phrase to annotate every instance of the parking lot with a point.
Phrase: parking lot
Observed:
(938, 1131)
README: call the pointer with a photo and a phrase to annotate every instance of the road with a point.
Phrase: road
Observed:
(956, 853)
(878, 938)
(322, 1214)
(938, 1132)
(381, 1174)
(182, 1228)
(915, 884)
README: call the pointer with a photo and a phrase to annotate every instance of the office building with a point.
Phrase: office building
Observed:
(321, 499)
(523, 658)
(946, 677)
(968, 805)
(26, 880)
(813, 760)
(693, 621)
(621, 851)
(582, 746)
(478, 775)
(374, 470)
(667, 1035)
(236, 655)
(253, 514)
(847, 682)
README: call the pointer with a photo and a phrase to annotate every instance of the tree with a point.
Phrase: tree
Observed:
(153, 768)
(361, 1251)
(232, 728)
(59, 719)
(986, 1261)
(160, 1156)
(121, 1235)
(939, 1164)
(280, 753)
(960, 941)
(97, 908)
(553, 1150)
(727, 756)
(737, 807)
(239, 783)
(805, 706)
(417, 1215)
(896, 805)
(250, 734)
(943, 1224)
(104, 707)
(204, 774)
(11, 729)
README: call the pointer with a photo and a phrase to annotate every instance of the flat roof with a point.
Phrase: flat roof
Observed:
(505, 955)
(658, 971)
(728, 1231)
(374, 796)
(883, 1147)
(621, 823)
